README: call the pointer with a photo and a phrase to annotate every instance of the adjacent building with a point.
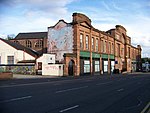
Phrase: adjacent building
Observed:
(36, 41)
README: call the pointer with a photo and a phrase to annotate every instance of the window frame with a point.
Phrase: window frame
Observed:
(81, 40)
(87, 42)
(39, 44)
(10, 59)
(28, 44)
(96, 44)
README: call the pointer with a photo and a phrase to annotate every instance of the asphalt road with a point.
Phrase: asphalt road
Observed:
(87, 94)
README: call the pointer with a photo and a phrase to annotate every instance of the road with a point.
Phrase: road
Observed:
(86, 94)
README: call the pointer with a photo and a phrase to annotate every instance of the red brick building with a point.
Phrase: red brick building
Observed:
(84, 49)
(98, 52)
(34, 40)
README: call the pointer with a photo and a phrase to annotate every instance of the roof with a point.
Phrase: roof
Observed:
(20, 47)
(31, 35)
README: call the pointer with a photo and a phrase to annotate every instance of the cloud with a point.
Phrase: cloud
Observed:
(31, 15)
(36, 15)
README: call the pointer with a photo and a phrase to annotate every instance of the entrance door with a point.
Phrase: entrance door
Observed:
(70, 68)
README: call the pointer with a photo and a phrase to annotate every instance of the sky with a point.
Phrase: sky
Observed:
(18, 16)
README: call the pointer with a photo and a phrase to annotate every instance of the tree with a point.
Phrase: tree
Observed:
(10, 36)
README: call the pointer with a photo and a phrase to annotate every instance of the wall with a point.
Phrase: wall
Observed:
(47, 58)
(60, 39)
(52, 69)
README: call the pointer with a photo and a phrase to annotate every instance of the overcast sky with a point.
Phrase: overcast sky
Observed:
(36, 15)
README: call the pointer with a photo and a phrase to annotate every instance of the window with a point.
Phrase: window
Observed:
(105, 46)
(96, 44)
(16, 42)
(109, 47)
(102, 46)
(92, 43)
(39, 44)
(112, 48)
(28, 44)
(81, 41)
(10, 59)
(39, 65)
(87, 42)
(86, 66)
(97, 66)
(118, 49)
(128, 52)
(122, 51)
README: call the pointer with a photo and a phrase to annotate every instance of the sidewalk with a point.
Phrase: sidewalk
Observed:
(20, 76)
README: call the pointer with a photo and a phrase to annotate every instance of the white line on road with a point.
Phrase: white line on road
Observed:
(15, 99)
(120, 90)
(103, 83)
(73, 107)
(71, 89)
(146, 108)
(39, 83)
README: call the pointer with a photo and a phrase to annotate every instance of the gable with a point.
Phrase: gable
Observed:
(6, 47)
(60, 25)
(85, 24)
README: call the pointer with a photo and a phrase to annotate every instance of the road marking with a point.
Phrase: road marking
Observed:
(15, 99)
(29, 84)
(65, 90)
(70, 108)
(103, 83)
(147, 108)
(120, 90)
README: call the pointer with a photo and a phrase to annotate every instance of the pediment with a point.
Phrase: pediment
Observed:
(85, 24)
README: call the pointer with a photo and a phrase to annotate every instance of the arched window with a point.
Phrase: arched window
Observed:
(39, 44)
(28, 44)
(16, 42)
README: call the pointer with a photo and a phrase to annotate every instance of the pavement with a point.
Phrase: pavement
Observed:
(20, 76)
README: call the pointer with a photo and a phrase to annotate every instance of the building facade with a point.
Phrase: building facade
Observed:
(84, 49)
(93, 51)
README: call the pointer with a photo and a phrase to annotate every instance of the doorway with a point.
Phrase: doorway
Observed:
(71, 68)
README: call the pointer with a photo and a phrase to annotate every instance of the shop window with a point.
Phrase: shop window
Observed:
(10, 59)
(28, 44)
(39, 44)
(105, 66)
(86, 66)
(97, 66)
